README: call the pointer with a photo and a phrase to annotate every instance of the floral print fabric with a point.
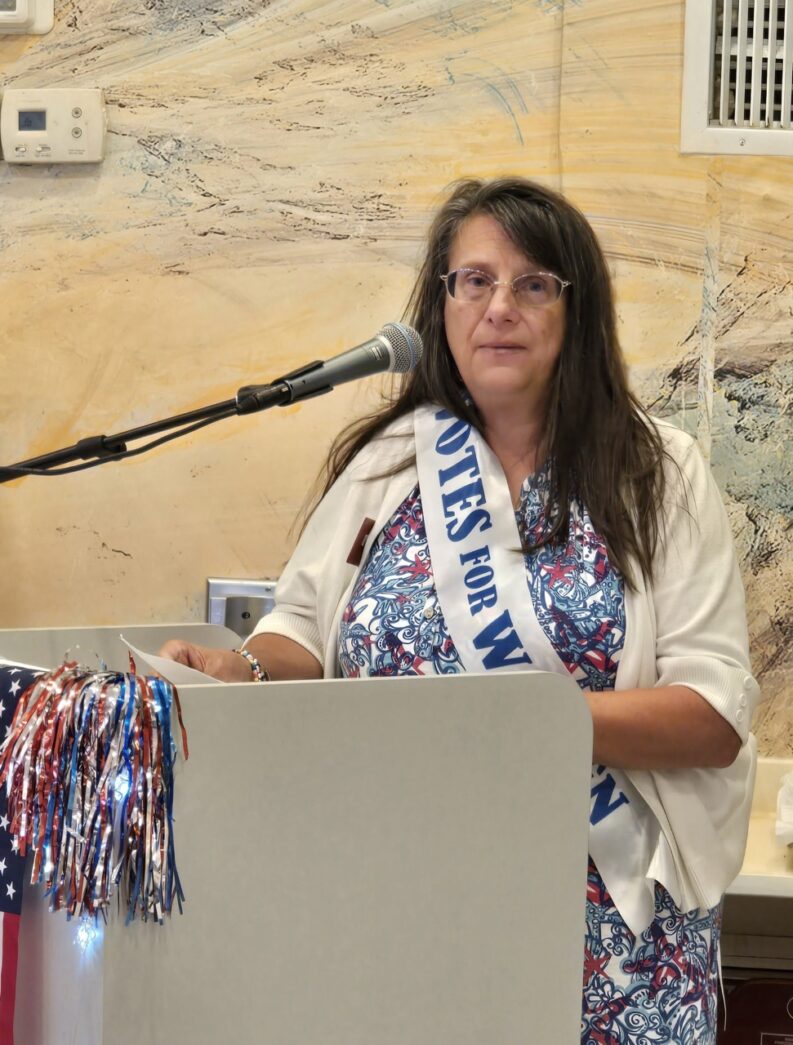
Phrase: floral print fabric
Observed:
(577, 594)
(660, 988)
(393, 624)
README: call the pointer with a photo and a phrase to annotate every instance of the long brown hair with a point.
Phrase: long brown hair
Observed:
(602, 448)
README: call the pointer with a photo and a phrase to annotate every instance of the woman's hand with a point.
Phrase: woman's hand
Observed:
(222, 664)
(282, 657)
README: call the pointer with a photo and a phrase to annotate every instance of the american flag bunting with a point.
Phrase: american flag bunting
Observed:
(13, 682)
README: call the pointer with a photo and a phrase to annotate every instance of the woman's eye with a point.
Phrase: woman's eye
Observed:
(476, 280)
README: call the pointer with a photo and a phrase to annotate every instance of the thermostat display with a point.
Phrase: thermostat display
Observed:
(53, 125)
(33, 121)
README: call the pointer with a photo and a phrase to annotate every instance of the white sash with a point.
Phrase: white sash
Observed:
(480, 577)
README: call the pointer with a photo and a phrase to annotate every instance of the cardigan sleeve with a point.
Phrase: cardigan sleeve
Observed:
(296, 614)
(698, 598)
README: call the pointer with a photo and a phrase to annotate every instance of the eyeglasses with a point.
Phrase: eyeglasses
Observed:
(534, 289)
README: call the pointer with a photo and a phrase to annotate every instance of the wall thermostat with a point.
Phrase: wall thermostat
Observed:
(53, 125)
(26, 16)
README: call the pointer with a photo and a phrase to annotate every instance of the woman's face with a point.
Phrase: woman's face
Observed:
(506, 354)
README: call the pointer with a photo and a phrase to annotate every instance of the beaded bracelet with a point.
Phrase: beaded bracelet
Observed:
(260, 674)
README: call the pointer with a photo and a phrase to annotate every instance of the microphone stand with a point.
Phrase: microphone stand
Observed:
(99, 449)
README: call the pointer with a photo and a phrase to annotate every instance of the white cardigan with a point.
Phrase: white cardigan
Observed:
(689, 628)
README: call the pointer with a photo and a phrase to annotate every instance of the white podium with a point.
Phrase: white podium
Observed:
(380, 862)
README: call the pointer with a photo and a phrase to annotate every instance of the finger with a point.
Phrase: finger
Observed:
(172, 649)
(184, 653)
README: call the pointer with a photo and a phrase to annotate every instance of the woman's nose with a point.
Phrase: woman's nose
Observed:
(502, 300)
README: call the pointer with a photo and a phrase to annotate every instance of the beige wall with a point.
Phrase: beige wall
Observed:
(270, 171)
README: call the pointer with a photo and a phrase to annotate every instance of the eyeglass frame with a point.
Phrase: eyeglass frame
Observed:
(505, 283)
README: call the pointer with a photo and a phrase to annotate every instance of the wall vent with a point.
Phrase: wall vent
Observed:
(738, 77)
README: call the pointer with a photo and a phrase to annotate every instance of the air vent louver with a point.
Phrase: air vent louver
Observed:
(738, 77)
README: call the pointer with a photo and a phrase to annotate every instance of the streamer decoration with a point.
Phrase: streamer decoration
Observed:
(88, 769)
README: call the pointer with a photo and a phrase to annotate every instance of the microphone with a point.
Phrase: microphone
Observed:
(396, 348)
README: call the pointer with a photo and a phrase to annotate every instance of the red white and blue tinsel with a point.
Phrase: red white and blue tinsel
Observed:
(88, 770)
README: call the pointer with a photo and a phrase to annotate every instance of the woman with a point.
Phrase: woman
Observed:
(514, 508)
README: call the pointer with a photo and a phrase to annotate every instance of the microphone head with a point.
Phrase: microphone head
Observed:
(406, 347)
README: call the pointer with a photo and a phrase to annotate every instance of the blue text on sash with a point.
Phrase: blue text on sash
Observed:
(604, 804)
(463, 498)
(502, 639)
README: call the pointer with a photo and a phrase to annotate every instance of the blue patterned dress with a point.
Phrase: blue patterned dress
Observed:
(661, 987)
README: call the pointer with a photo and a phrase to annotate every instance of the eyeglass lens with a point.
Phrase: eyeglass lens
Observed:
(535, 288)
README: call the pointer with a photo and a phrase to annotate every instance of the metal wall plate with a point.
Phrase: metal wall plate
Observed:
(245, 601)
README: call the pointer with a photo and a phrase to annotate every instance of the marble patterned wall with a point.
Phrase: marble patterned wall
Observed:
(271, 168)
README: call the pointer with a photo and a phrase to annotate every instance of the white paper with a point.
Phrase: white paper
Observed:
(172, 670)
(784, 811)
